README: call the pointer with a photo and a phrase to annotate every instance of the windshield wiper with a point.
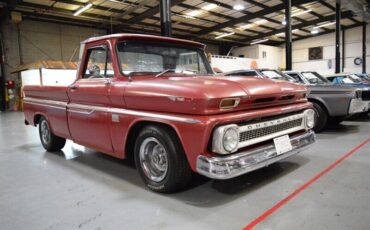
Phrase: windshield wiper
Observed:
(174, 70)
(165, 71)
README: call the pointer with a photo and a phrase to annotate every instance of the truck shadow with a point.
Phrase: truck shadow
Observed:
(202, 192)
(360, 117)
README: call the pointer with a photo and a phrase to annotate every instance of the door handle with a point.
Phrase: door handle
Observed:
(74, 86)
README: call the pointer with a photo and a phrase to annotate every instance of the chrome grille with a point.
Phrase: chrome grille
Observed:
(257, 133)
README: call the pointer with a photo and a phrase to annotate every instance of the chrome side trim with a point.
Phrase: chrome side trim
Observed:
(47, 103)
(233, 165)
(89, 109)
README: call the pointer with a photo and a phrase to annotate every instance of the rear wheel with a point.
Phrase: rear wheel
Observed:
(49, 141)
(321, 118)
(160, 159)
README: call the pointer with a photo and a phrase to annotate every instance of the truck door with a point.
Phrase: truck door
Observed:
(89, 99)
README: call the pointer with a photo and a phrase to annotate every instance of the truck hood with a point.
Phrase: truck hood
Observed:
(203, 94)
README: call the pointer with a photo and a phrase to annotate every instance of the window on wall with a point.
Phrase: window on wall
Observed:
(99, 63)
(315, 53)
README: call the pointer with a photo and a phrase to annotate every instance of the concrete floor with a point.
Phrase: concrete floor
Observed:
(79, 188)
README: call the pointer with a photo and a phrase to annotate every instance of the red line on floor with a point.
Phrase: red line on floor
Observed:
(259, 219)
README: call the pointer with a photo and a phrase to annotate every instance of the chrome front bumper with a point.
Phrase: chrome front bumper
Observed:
(225, 167)
(358, 106)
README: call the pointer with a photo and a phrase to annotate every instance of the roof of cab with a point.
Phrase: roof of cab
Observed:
(123, 36)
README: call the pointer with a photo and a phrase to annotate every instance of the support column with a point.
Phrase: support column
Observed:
(2, 74)
(337, 35)
(364, 25)
(165, 12)
(343, 49)
(288, 35)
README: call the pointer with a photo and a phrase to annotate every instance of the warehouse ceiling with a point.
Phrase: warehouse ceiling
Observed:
(232, 22)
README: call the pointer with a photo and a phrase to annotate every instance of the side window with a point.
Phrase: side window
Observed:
(98, 63)
(295, 76)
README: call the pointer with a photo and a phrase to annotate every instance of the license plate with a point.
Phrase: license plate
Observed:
(282, 144)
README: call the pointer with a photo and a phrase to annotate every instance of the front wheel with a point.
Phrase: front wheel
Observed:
(321, 118)
(49, 141)
(160, 159)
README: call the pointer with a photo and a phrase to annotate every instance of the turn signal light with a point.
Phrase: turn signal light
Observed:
(228, 103)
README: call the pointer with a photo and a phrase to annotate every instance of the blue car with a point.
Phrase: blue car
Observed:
(348, 79)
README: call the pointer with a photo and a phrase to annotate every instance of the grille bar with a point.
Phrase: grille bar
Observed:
(261, 131)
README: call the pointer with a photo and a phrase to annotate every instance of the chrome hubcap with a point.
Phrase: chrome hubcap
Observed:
(45, 132)
(153, 159)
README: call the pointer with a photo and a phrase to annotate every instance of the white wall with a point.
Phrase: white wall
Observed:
(353, 49)
(273, 58)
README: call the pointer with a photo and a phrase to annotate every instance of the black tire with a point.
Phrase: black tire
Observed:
(177, 172)
(321, 118)
(49, 141)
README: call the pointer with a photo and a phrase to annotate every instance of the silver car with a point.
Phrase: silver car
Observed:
(332, 103)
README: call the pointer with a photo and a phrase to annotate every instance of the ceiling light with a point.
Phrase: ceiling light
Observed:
(209, 6)
(246, 26)
(324, 25)
(315, 31)
(82, 9)
(282, 34)
(117, 1)
(224, 35)
(300, 13)
(259, 22)
(259, 41)
(193, 13)
(283, 22)
(238, 7)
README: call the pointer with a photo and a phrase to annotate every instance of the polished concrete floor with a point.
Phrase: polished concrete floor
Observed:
(79, 188)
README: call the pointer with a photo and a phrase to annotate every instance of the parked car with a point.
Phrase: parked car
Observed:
(157, 100)
(347, 79)
(332, 104)
(364, 76)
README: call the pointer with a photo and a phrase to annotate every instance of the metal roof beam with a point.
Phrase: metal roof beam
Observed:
(250, 16)
(345, 14)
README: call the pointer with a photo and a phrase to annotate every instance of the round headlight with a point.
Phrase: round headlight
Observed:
(310, 118)
(230, 139)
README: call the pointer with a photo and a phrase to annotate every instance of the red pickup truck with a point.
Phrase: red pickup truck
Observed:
(156, 99)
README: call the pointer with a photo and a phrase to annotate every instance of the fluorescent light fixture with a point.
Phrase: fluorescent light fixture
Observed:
(324, 25)
(224, 35)
(209, 6)
(259, 41)
(300, 13)
(295, 15)
(246, 26)
(117, 1)
(282, 34)
(259, 22)
(82, 9)
(238, 7)
(315, 31)
(193, 13)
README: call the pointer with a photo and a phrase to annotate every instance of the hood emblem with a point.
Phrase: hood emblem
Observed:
(174, 98)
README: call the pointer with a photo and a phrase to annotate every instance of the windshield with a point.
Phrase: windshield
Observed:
(277, 76)
(314, 78)
(355, 78)
(138, 58)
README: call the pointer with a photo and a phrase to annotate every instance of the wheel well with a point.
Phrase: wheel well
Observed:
(134, 132)
(322, 105)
